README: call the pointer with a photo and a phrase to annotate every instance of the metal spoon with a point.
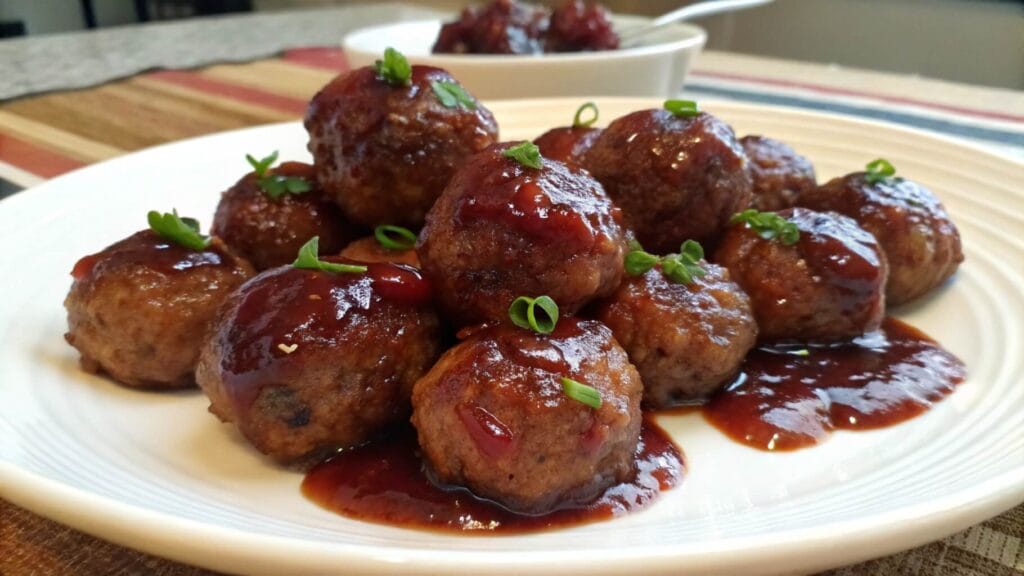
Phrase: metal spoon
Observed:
(629, 37)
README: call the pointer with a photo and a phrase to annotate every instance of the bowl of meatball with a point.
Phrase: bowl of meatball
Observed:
(510, 49)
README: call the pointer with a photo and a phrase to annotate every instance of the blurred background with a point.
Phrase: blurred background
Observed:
(971, 41)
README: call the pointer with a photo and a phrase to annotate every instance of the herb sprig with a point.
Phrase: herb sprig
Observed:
(581, 393)
(309, 259)
(681, 268)
(878, 171)
(451, 95)
(539, 314)
(181, 231)
(682, 108)
(393, 68)
(394, 237)
(768, 225)
(276, 185)
(579, 122)
(526, 153)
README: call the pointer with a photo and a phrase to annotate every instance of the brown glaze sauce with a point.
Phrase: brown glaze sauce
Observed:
(784, 400)
(384, 481)
(146, 248)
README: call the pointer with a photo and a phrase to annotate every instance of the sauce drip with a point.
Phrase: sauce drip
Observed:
(384, 481)
(784, 400)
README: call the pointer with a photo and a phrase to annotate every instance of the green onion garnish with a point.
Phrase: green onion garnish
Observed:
(682, 108)
(681, 268)
(768, 225)
(539, 314)
(579, 122)
(394, 68)
(526, 153)
(309, 259)
(581, 393)
(274, 185)
(451, 95)
(394, 237)
(182, 231)
(879, 170)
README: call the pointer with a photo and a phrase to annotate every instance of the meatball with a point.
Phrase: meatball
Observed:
(501, 27)
(918, 237)
(305, 361)
(674, 178)
(370, 250)
(686, 340)
(578, 26)
(567, 144)
(503, 230)
(492, 415)
(779, 174)
(138, 310)
(384, 153)
(827, 286)
(269, 231)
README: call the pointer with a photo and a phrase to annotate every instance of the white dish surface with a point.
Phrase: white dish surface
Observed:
(157, 472)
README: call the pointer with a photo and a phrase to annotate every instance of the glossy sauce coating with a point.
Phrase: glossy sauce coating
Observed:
(151, 251)
(567, 144)
(785, 400)
(385, 482)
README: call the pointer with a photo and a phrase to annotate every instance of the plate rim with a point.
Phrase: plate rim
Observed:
(225, 548)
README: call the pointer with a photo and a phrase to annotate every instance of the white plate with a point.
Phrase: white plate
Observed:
(157, 473)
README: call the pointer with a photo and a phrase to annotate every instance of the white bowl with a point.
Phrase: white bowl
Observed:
(656, 68)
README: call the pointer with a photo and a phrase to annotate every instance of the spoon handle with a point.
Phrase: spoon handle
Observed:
(692, 11)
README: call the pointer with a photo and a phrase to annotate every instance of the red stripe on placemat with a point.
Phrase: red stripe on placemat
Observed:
(35, 159)
(861, 94)
(320, 57)
(255, 96)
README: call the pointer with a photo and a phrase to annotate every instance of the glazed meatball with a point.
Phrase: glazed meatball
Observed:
(370, 250)
(827, 286)
(503, 230)
(501, 27)
(578, 26)
(686, 340)
(920, 240)
(779, 174)
(305, 361)
(674, 178)
(567, 144)
(492, 415)
(138, 310)
(269, 231)
(384, 153)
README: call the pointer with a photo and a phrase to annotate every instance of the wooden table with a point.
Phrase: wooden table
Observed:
(43, 136)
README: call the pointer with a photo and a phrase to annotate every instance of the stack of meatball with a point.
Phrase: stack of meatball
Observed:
(305, 359)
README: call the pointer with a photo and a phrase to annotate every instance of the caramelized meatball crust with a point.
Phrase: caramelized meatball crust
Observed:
(370, 250)
(385, 153)
(917, 235)
(269, 231)
(502, 230)
(828, 286)
(675, 178)
(686, 340)
(779, 174)
(304, 361)
(492, 415)
(567, 144)
(138, 310)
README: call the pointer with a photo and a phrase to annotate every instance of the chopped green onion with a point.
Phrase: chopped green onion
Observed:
(274, 185)
(309, 259)
(524, 313)
(879, 170)
(581, 393)
(260, 167)
(526, 153)
(768, 225)
(181, 231)
(639, 262)
(394, 68)
(403, 239)
(682, 108)
(579, 122)
(680, 268)
(451, 95)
